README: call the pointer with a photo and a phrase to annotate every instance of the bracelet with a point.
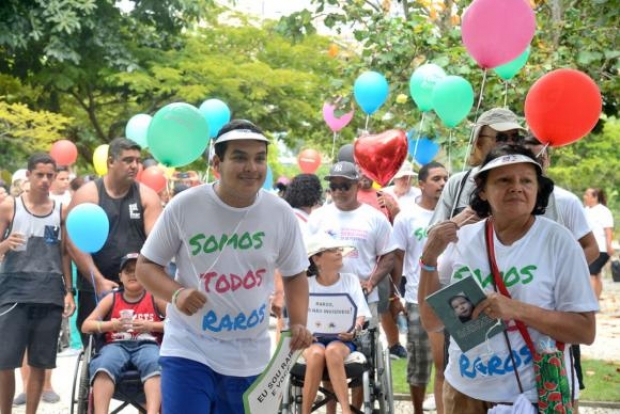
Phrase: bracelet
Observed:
(175, 295)
(99, 323)
(426, 267)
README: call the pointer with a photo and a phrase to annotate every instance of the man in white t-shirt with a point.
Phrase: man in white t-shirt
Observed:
(409, 236)
(59, 190)
(228, 238)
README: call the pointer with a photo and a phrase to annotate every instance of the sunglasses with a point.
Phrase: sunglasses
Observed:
(503, 137)
(341, 186)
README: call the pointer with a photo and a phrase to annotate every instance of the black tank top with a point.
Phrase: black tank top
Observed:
(127, 234)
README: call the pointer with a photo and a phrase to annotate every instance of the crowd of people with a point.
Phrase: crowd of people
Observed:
(214, 260)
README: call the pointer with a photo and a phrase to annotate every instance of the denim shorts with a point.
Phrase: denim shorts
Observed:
(118, 357)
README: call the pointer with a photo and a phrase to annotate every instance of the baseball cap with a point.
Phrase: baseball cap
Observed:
(500, 119)
(344, 169)
(241, 134)
(127, 258)
(508, 160)
(321, 241)
(405, 170)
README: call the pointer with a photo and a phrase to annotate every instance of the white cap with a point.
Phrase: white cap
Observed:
(508, 160)
(322, 241)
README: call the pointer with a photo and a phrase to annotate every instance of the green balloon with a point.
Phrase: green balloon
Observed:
(422, 83)
(508, 70)
(453, 98)
(178, 134)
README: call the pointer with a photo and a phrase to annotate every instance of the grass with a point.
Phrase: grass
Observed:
(602, 379)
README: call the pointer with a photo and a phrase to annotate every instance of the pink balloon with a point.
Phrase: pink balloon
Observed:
(335, 124)
(497, 31)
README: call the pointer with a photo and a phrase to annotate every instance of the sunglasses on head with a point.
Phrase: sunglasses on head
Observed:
(341, 186)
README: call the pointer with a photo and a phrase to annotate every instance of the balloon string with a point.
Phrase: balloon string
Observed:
(334, 146)
(367, 121)
(505, 94)
(450, 152)
(415, 150)
(473, 129)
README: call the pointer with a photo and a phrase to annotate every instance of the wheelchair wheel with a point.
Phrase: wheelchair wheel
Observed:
(385, 393)
(81, 395)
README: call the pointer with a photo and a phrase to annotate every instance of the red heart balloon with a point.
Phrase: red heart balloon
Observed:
(381, 156)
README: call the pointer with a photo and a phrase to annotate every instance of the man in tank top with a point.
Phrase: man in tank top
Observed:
(132, 209)
(36, 289)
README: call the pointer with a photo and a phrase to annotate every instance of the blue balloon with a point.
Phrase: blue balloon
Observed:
(268, 184)
(216, 113)
(136, 129)
(425, 152)
(88, 227)
(370, 91)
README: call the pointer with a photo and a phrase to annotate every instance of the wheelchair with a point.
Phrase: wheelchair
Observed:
(368, 367)
(129, 390)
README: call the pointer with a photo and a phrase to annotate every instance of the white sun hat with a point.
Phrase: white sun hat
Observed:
(322, 241)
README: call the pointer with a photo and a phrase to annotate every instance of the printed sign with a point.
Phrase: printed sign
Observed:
(330, 314)
(265, 394)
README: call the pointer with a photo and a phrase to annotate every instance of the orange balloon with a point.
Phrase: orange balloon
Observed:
(154, 177)
(333, 50)
(309, 161)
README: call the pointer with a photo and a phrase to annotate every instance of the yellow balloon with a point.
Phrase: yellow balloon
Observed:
(376, 186)
(100, 159)
(168, 171)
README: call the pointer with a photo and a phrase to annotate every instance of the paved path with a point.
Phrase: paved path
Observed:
(606, 346)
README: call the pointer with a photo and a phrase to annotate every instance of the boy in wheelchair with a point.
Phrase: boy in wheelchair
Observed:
(325, 255)
(131, 323)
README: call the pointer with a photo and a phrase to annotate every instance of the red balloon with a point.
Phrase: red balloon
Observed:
(563, 106)
(154, 178)
(381, 156)
(64, 152)
(309, 161)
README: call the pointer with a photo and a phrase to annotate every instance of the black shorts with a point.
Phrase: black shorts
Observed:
(597, 265)
(30, 326)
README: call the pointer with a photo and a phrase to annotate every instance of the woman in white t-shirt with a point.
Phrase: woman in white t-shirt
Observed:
(325, 255)
(602, 224)
(541, 265)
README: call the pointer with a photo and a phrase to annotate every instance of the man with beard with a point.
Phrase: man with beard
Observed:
(132, 209)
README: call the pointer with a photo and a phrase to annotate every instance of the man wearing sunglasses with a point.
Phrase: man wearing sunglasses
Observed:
(494, 127)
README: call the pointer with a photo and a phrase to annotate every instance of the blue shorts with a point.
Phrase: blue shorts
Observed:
(118, 357)
(191, 387)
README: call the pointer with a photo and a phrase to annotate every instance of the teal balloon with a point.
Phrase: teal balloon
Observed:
(268, 184)
(216, 113)
(508, 70)
(422, 83)
(178, 134)
(453, 98)
(88, 227)
(137, 128)
(370, 91)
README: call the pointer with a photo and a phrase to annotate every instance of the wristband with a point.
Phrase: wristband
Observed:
(99, 323)
(427, 267)
(175, 295)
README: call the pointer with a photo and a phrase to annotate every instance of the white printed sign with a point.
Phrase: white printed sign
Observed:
(331, 313)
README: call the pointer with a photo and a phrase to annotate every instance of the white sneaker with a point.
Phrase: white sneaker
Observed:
(429, 403)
